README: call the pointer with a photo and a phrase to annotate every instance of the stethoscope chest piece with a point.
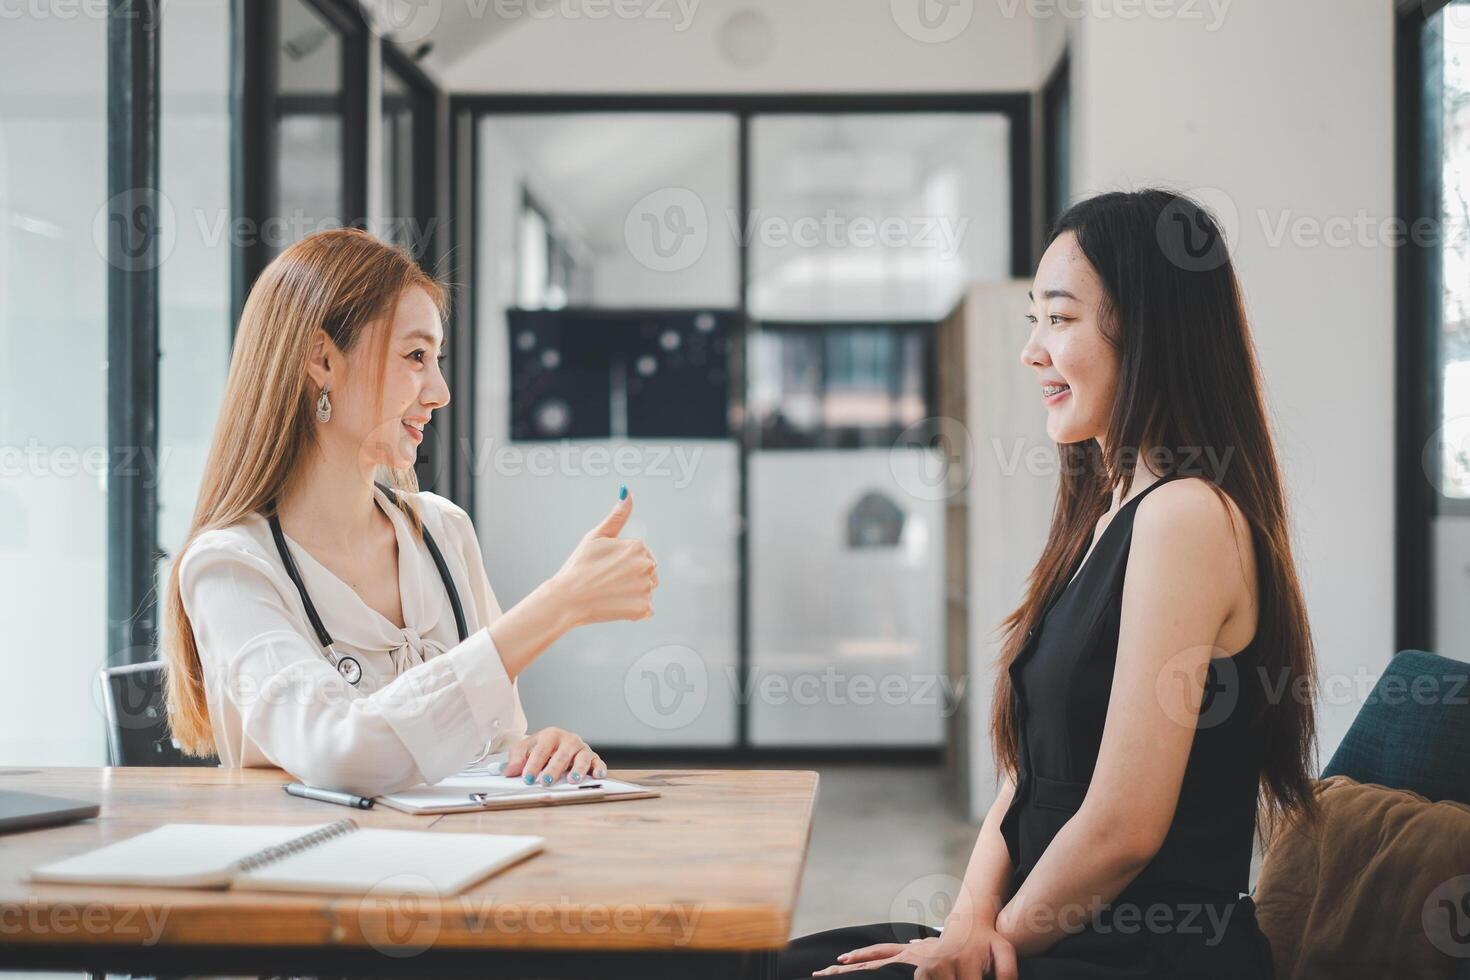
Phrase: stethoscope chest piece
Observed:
(349, 668)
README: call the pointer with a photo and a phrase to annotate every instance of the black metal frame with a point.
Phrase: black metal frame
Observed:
(133, 35)
(426, 145)
(1058, 87)
(257, 105)
(1015, 106)
(1418, 160)
(459, 268)
(346, 16)
(435, 465)
(1018, 108)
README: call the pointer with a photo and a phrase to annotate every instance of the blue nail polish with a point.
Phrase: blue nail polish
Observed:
(575, 777)
(546, 778)
(601, 773)
(530, 778)
(623, 492)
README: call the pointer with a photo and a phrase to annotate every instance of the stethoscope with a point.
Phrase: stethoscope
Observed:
(348, 666)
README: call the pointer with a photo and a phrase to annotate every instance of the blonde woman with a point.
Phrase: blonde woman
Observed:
(336, 626)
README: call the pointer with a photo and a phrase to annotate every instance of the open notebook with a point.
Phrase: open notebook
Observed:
(330, 857)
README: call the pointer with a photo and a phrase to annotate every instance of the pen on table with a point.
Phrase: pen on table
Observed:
(328, 796)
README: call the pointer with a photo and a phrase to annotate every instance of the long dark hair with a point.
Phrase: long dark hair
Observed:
(1188, 392)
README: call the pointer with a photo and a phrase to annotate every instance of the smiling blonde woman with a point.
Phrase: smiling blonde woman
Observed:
(323, 616)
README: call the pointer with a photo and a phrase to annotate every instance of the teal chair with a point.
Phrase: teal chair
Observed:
(1413, 732)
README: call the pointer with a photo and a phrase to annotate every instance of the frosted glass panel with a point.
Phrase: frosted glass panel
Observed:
(875, 216)
(665, 681)
(194, 279)
(53, 387)
(846, 565)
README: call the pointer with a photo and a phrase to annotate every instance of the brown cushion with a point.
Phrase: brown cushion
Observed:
(1382, 891)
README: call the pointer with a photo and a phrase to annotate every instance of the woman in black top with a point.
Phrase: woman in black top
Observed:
(1154, 692)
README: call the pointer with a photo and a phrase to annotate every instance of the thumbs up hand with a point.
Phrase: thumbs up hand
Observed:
(607, 577)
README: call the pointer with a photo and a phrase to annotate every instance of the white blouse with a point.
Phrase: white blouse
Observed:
(426, 704)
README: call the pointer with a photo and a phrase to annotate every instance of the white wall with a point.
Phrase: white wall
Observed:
(1284, 113)
(734, 46)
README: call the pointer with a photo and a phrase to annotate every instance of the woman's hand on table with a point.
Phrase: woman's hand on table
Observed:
(552, 753)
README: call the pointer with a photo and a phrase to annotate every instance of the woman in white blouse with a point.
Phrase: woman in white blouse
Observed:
(334, 375)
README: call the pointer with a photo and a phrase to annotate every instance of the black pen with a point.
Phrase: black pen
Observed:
(328, 796)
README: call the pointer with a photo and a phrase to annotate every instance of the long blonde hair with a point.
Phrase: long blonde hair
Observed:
(341, 282)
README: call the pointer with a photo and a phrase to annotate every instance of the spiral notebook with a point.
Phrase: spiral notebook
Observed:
(329, 857)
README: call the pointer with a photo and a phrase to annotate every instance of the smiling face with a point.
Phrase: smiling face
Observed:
(1075, 365)
(382, 423)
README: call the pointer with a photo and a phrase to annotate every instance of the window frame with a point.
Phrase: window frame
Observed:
(466, 110)
(1418, 369)
(255, 105)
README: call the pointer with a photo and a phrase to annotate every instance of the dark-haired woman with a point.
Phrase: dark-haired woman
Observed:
(1154, 692)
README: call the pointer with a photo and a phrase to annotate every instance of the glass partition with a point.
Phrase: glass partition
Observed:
(54, 453)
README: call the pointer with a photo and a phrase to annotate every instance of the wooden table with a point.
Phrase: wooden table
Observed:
(700, 882)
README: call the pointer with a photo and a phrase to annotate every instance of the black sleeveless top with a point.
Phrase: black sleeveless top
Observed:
(1062, 679)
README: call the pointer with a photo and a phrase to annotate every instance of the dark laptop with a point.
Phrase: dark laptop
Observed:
(22, 811)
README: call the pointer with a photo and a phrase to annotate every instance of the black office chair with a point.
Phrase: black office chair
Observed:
(137, 719)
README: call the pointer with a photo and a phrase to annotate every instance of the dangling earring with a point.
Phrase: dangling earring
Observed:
(323, 407)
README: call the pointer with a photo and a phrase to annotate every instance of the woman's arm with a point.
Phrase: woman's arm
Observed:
(606, 578)
(988, 875)
(270, 683)
(1182, 581)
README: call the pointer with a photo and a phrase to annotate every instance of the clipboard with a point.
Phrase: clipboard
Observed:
(466, 792)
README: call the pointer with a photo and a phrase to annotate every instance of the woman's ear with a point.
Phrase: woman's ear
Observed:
(320, 361)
